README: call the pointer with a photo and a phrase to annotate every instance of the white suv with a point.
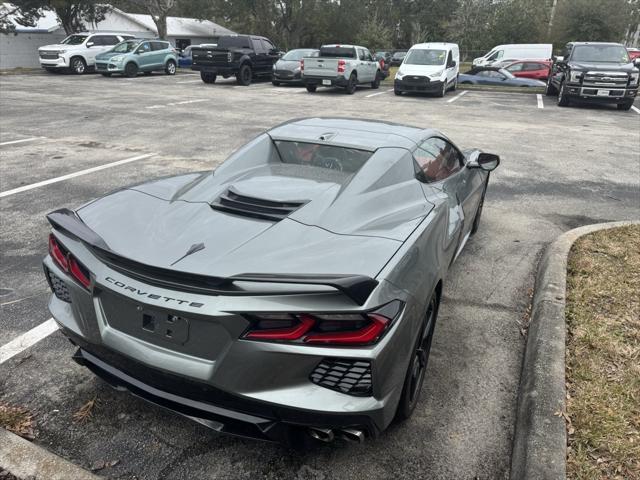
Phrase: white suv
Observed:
(78, 52)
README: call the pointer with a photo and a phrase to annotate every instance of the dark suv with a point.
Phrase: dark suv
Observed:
(594, 72)
(244, 56)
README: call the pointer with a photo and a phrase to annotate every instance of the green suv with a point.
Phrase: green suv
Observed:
(138, 55)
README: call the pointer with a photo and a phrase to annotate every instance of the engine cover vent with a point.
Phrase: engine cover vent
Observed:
(236, 204)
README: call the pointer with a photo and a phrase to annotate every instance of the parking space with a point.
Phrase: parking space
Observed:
(73, 138)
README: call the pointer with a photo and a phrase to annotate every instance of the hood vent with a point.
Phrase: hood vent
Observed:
(234, 203)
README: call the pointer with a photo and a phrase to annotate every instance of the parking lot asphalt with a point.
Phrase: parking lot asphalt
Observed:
(65, 140)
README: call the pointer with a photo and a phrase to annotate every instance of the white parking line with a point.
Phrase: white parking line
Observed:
(24, 341)
(189, 81)
(635, 109)
(184, 102)
(540, 102)
(464, 92)
(73, 175)
(31, 139)
(379, 93)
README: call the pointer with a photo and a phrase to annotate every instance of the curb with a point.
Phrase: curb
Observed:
(540, 439)
(27, 460)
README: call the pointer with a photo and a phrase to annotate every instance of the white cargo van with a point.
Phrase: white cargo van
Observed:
(517, 51)
(429, 67)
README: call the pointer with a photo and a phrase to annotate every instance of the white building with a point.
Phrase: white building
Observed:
(20, 48)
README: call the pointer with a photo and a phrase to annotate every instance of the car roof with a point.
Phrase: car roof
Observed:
(595, 43)
(364, 134)
(426, 45)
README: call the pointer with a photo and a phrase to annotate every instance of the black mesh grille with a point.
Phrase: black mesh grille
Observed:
(349, 376)
(234, 203)
(59, 287)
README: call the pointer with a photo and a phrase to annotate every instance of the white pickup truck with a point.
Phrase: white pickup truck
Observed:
(345, 66)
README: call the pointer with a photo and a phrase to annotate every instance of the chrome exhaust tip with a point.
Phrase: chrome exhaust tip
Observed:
(323, 434)
(353, 435)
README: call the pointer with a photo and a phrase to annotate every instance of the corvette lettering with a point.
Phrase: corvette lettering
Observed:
(152, 296)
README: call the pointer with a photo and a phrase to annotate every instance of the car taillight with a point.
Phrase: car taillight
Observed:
(68, 262)
(79, 272)
(342, 329)
(58, 253)
(382, 63)
(341, 66)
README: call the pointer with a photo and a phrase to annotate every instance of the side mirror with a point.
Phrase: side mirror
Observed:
(90, 44)
(485, 161)
(636, 62)
(453, 63)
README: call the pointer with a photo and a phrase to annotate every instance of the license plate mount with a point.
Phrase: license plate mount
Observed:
(326, 82)
(166, 326)
(603, 93)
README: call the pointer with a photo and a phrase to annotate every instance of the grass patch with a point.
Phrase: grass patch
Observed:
(17, 420)
(603, 355)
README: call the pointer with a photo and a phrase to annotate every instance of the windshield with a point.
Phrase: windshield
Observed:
(126, 47)
(74, 40)
(347, 160)
(600, 53)
(233, 42)
(425, 57)
(399, 55)
(295, 55)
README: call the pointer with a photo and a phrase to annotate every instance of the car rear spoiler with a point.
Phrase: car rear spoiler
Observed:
(356, 287)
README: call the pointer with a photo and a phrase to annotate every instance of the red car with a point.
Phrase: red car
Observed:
(535, 69)
(633, 53)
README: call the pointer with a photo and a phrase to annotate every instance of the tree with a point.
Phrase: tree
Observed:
(586, 20)
(159, 11)
(75, 15)
(22, 12)
(374, 34)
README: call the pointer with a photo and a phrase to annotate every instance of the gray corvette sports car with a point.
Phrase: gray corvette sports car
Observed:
(291, 294)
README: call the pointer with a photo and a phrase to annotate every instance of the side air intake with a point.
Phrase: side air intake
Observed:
(234, 203)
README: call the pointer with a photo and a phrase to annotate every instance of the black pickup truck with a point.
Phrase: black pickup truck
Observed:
(594, 72)
(242, 56)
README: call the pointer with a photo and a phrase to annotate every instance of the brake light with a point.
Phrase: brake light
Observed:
(68, 262)
(79, 272)
(341, 66)
(58, 253)
(342, 329)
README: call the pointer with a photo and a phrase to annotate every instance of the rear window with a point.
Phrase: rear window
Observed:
(234, 42)
(341, 159)
(338, 52)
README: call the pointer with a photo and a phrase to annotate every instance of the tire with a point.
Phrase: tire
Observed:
(352, 84)
(376, 83)
(170, 67)
(131, 70)
(106, 74)
(208, 77)
(397, 92)
(418, 362)
(550, 91)
(455, 85)
(312, 88)
(563, 100)
(476, 219)
(244, 75)
(77, 65)
(626, 105)
(443, 92)
(275, 84)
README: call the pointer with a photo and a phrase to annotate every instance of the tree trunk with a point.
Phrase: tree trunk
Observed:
(553, 14)
(161, 25)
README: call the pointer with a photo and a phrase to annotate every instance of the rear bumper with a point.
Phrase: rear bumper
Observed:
(224, 71)
(212, 407)
(425, 87)
(325, 81)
